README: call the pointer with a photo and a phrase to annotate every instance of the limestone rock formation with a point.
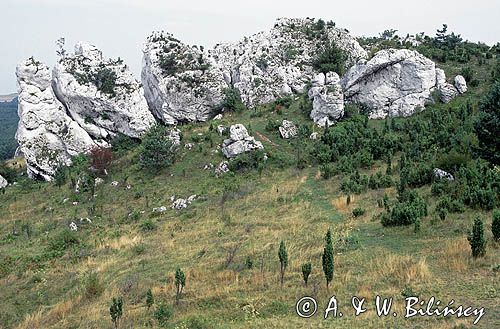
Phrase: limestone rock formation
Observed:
(441, 174)
(328, 99)
(395, 82)
(47, 136)
(101, 95)
(239, 142)
(278, 62)
(446, 90)
(181, 83)
(184, 84)
(460, 84)
(3, 182)
(288, 129)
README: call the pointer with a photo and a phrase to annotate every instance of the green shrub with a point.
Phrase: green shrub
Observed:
(357, 212)
(123, 143)
(232, 100)
(157, 149)
(147, 225)
(62, 241)
(116, 311)
(246, 161)
(410, 206)
(327, 170)
(168, 64)
(105, 81)
(93, 287)
(487, 125)
(162, 314)
(330, 59)
(476, 239)
(495, 225)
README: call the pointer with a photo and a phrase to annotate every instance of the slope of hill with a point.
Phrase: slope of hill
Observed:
(8, 127)
(68, 247)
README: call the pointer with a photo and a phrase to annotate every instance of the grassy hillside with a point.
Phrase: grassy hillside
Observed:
(227, 240)
(8, 127)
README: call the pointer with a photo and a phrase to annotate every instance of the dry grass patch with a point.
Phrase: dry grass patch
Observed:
(399, 269)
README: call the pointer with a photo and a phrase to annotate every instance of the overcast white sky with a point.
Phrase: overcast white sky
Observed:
(119, 27)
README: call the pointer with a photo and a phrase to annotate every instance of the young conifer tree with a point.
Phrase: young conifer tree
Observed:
(327, 258)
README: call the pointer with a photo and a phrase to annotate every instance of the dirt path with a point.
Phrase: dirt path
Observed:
(265, 139)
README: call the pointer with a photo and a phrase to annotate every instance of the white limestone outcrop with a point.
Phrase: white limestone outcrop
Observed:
(47, 136)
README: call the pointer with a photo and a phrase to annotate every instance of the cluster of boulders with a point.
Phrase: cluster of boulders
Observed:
(86, 100)
(239, 142)
(181, 203)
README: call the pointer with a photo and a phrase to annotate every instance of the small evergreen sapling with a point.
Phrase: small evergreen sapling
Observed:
(283, 257)
(306, 271)
(327, 259)
(180, 282)
(116, 311)
(149, 299)
(476, 239)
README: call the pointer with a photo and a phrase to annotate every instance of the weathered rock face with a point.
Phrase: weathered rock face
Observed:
(328, 99)
(3, 182)
(102, 96)
(276, 63)
(181, 83)
(460, 84)
(239, 142)
(446, 90)
(47, 136)
(395, 82)
(184, 83)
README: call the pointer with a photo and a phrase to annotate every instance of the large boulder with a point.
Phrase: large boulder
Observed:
(446, 90)
(395, 82)
(3, 182)
(328, 99)
(239, 142)
(101, 95)
(278, 62)
(181, 83)
(47, 136)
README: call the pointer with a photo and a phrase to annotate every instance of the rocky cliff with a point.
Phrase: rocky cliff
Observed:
(48, 137)
(83, 103)
(186, 83)
(102, 96)
(89, 99)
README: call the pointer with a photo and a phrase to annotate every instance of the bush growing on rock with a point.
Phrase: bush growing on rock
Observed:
(158, 150)
(232, 100)
(331, 59)
(123, 143)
